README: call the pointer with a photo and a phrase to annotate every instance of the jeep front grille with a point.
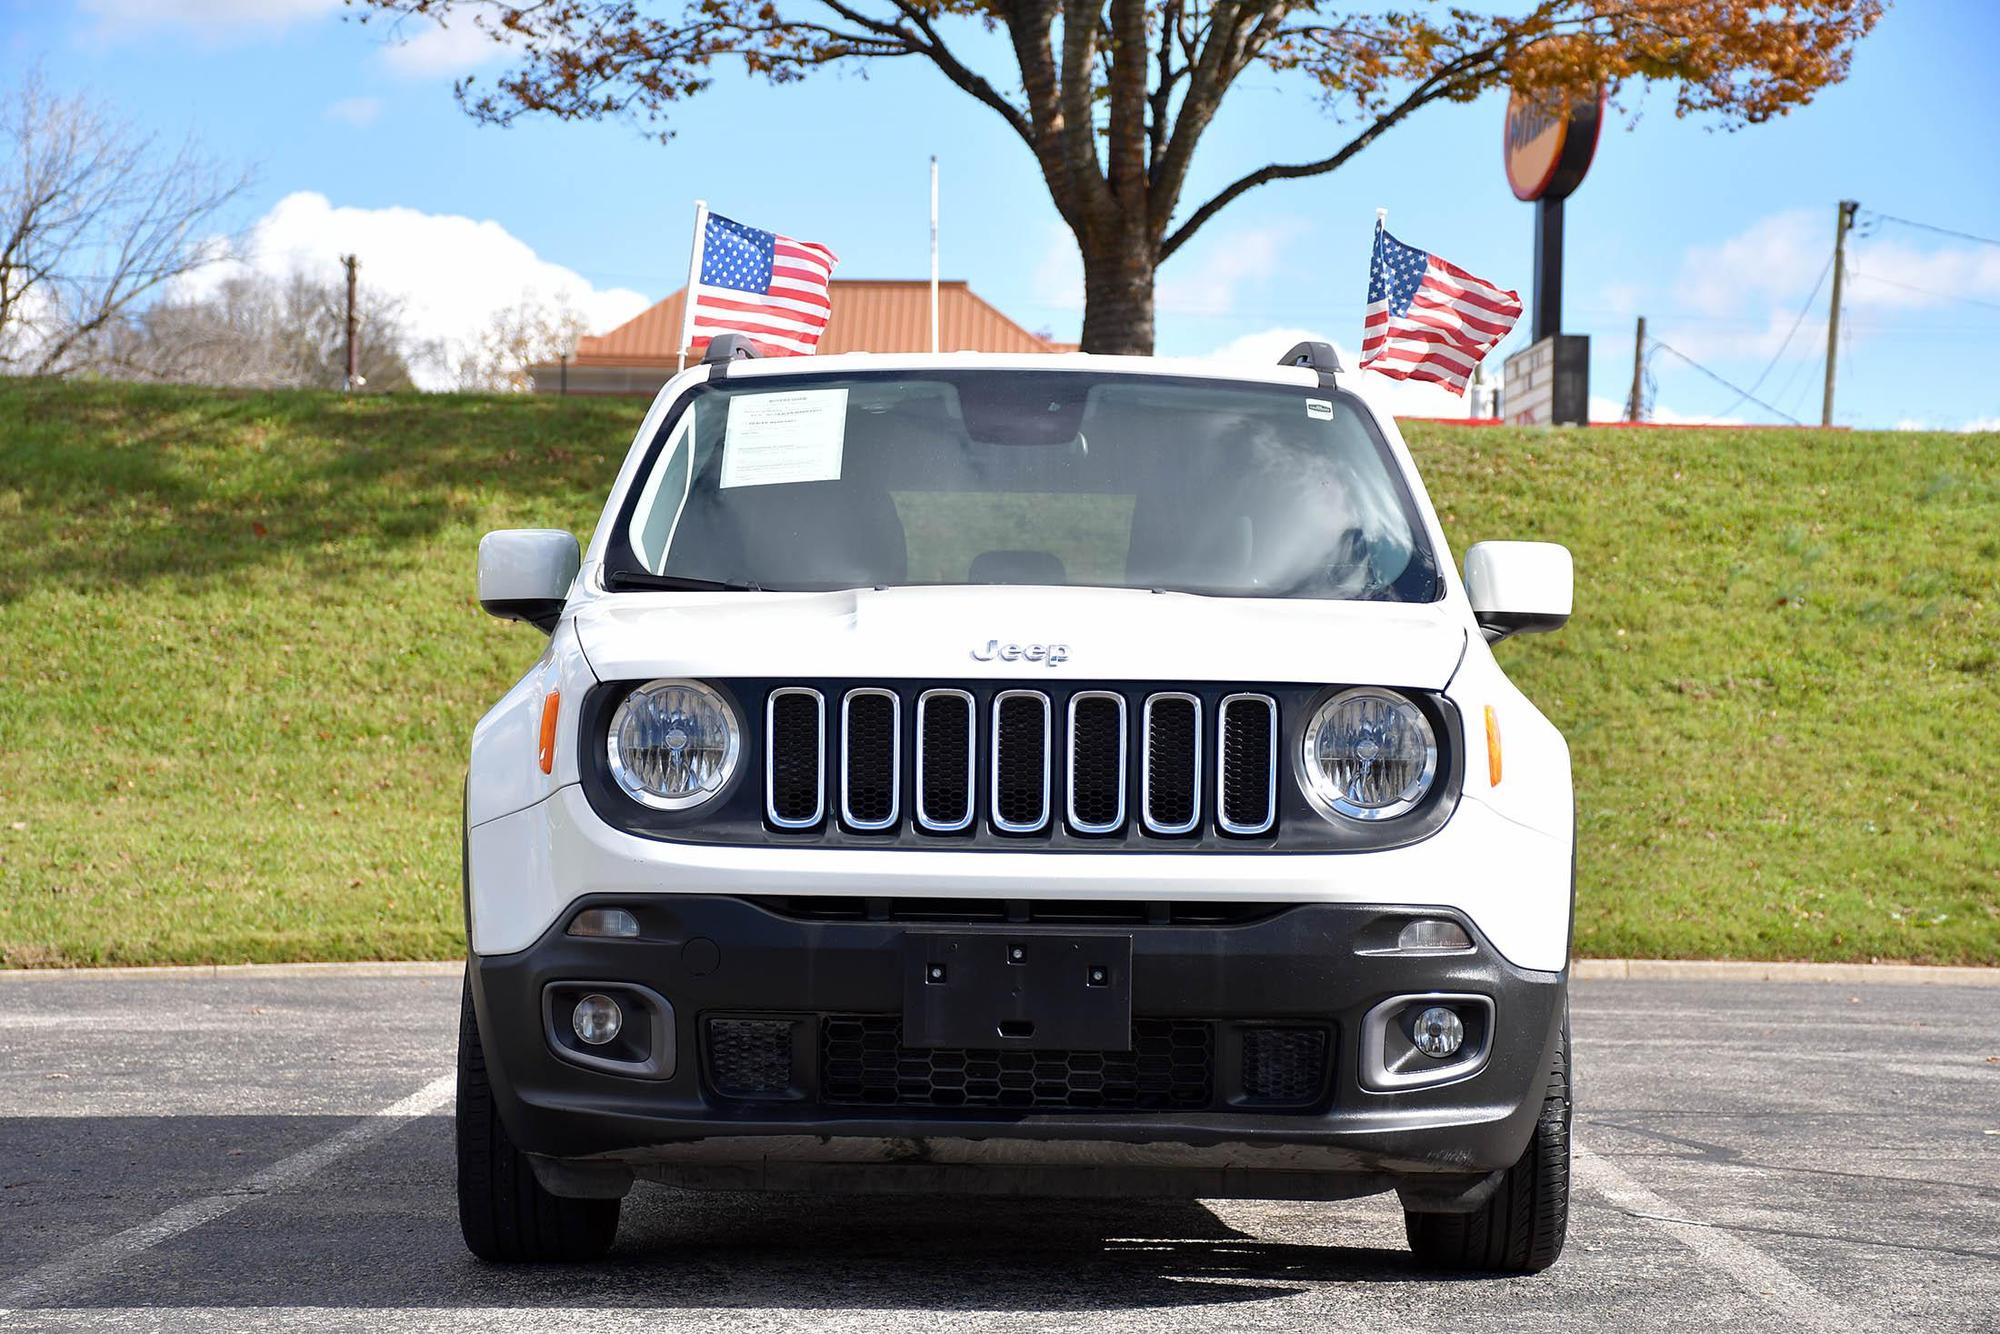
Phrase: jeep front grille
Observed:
(1096, 762)
(794, 748)
(870, 758)
(947, 756)
(1095, 765)
(1171, 786)
(1246, 779)
(1020, 761)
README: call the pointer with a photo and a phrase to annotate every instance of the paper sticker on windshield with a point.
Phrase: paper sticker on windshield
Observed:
(788, 437)
(1320, 409)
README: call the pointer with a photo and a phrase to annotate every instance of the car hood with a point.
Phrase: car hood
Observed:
(961, 633)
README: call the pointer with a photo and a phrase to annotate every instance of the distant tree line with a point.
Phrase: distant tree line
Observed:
(110, 243)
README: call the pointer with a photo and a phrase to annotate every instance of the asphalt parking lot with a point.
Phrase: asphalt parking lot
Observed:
(250, 1150)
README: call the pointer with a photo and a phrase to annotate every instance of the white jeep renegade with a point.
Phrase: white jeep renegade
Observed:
(1027, 775)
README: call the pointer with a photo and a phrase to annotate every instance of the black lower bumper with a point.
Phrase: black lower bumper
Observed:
(1188, 1104)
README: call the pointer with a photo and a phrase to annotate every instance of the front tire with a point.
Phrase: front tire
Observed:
(1520, 1228)
(503, 1211)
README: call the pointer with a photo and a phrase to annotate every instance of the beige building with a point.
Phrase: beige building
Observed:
(869, 315)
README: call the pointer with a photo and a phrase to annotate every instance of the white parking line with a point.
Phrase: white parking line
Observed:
(1715, 1247)
(98, 1259)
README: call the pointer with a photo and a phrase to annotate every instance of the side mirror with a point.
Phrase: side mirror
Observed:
(525, 574)
(1519, 588)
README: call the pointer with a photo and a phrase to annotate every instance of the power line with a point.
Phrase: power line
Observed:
(1933, 227)
(1733, 388)
(1927, 291)
(1775, 356)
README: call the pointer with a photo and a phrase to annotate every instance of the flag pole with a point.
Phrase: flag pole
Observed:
(934, 253)
(1382, 219)
(694, 276)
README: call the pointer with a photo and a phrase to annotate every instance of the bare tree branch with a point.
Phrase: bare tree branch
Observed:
(96, 220)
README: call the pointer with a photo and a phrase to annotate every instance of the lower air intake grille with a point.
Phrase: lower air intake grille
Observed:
(863, 1061)
(1284, 1066)
(750, 1058)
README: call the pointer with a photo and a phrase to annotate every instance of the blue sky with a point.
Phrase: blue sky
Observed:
(1716, 238)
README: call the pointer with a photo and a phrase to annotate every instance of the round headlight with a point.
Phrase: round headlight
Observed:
(1369, 755)
(673, 744)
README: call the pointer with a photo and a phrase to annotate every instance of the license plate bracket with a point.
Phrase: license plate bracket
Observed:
(1022, 990)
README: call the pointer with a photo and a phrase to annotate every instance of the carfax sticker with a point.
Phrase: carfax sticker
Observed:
(1320, 409)
(784, 437)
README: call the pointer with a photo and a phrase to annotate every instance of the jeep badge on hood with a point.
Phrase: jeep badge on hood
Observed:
(1052, 654)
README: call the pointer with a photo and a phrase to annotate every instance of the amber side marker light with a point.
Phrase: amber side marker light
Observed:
(1492, 746)
(552, 706)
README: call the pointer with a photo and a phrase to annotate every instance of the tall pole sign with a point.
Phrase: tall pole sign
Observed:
(1549, 143)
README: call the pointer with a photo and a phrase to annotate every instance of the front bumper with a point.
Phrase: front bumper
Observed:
(1303, 966)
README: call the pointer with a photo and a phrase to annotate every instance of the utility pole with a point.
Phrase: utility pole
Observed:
(1840, 230)
(1635, 407)
(350, 263)
(934, 253)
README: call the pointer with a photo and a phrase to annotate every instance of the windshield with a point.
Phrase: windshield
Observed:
(1013, 477)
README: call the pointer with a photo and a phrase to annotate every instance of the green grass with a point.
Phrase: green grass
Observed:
(240, 657)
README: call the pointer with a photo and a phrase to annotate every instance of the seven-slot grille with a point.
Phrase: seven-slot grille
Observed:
(1097, 763)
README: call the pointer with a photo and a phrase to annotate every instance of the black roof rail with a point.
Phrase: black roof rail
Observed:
(1314, 356)
(728, 347)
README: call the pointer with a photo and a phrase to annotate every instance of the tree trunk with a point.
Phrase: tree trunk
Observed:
(1118, 297)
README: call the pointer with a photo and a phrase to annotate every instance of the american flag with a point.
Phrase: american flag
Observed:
(1427, 319)
(754, 282)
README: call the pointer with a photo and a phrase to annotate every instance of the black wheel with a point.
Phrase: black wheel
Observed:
(504, 1212)
(1519, 1230)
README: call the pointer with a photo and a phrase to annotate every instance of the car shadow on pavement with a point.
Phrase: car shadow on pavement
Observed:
(379, 1230)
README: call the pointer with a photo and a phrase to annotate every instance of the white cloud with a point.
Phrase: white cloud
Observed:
(211, 19)
(1402, 398)
(1982, 424)
(1741, 297)
(1210, 283)
(438, 50)
(1778, 256)
(360, 112)
(452, 273)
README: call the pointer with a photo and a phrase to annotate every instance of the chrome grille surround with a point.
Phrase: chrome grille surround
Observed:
(771, 761)
(934, 821)
(1223, 787)
(895, 758)
(999, 793)
(1117, 821)
(1147, 765)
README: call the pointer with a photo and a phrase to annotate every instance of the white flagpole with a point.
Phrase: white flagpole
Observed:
(1382, 219)
(934, 253)
(694, 276)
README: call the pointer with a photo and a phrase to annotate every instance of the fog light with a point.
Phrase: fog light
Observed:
(1438, 1032)
(614, 922)
(1432, 933)
(598, 1019)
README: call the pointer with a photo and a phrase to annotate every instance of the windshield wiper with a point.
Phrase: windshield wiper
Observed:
(677, 582)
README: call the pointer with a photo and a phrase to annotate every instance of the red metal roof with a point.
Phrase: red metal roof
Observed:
(869, 315)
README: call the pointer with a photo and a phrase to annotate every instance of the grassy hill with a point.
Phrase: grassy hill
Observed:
(240, 656)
